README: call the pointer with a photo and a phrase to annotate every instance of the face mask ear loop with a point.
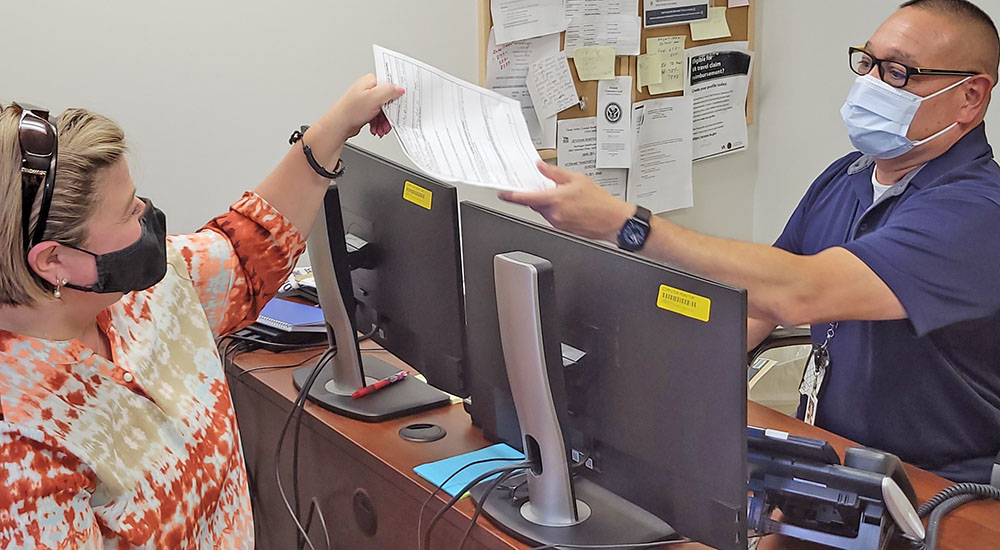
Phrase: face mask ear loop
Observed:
(943, 90)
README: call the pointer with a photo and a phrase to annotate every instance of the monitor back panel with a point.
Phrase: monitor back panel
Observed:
(414, 291)
(660, 398)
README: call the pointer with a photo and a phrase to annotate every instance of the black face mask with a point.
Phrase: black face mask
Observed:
(138, 266)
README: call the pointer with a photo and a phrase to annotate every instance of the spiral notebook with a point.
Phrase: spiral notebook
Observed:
(291, 316)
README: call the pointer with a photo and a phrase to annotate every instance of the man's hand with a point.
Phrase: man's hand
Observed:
(577, 204)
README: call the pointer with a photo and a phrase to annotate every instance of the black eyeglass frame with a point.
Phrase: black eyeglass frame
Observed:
(910, 71)
(39, 145)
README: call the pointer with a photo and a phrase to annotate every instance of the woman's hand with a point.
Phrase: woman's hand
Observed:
(576, 204)
(361, 104)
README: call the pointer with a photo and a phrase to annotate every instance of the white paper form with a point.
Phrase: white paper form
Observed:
(506, 73)
(661, 13)
(716, 79)
(551, 85)
(660, 178)
(455, 131)
(521, 19)
(621, 31)
(614, 123)
(574, 8)
(577, 151)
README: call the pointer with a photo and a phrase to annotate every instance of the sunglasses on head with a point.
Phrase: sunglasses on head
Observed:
(39, 149)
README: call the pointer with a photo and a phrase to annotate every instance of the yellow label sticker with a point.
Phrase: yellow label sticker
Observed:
(417, 195)
(684, 303)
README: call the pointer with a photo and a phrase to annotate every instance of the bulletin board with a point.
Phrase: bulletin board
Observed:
(741, 25)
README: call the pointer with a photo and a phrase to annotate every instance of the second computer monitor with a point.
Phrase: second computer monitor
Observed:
(408, 286)
(657, 401)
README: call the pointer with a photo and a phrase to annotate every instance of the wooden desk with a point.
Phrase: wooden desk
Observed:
(341, 458)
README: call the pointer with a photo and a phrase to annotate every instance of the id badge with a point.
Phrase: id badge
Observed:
(812, 381)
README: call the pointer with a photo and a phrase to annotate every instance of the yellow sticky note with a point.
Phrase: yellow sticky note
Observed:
(684, 303)
(671, 53)
(715, 27)
(417, 195)
(595, 62)
(649, 70)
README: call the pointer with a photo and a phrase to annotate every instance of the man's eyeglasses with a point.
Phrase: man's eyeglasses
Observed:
(894, 73)
(39, 150)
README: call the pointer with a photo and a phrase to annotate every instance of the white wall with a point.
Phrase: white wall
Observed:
(208, 91)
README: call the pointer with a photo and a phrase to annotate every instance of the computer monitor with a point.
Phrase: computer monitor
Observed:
(387, 245)
(654, 368)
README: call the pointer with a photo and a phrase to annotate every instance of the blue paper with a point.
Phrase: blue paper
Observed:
(437, 472)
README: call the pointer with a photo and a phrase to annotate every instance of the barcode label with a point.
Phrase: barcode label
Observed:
(684, 303)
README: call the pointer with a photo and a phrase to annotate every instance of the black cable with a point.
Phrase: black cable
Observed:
(981, 490)
(613, 546)
(482, 502)
(262, 343)
(270, 367)
(420, 515)
(299, 402)
(940, 511)
(426, 538)
(368, 334)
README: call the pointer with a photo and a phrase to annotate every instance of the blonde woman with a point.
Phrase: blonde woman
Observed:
(117, 428)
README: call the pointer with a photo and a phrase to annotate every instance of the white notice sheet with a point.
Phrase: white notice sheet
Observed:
(506, 72)
(621, 31)
(457, 132)
(577, 151)
(520, 19)
(717, 79)
(660, 178)
(601, 7)
(614, 123)
(551, 86)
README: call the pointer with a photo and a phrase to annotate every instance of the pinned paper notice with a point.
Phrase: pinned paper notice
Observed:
(551, 85)
(715, 27)
(738, 3)
(671, 52)
(595, 62)
(649, 70)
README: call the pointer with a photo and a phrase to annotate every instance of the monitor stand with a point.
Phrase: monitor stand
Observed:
(347, 371)
(559, 510)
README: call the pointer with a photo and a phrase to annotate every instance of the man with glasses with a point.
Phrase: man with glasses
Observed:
(892, 256)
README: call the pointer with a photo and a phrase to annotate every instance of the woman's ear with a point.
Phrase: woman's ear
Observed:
(57, 263)
(45, 261)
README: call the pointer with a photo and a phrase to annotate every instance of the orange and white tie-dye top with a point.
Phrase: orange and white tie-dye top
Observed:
(143, 451)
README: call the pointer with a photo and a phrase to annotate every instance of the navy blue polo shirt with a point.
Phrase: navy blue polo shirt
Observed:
(926, 388)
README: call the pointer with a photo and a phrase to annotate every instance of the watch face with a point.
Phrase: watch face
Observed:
(634, 234)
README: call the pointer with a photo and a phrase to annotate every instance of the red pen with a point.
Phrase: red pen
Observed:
(379, 385)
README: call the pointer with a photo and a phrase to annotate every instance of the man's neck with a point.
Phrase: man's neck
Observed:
(891, 171)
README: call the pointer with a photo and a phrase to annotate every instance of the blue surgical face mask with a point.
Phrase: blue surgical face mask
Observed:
(878, 116)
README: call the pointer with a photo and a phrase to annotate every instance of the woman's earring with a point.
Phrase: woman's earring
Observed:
(58, 291)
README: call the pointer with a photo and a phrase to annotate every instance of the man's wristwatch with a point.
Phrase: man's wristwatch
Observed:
(632, 236)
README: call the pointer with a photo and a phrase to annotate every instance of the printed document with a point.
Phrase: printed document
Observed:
(506, 74)
(455, 131)
(621, 31)
(521, 19)
(577, 151)
(614, 123)
(660, 178)
(717, 79)
(660, 13)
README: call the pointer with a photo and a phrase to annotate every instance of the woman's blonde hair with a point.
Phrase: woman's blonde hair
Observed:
(88, 144)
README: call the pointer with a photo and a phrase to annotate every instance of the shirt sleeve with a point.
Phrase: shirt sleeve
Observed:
(938, 253)
(239, 260)
(45, 501)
